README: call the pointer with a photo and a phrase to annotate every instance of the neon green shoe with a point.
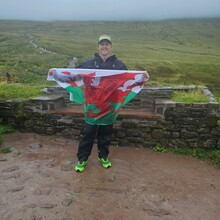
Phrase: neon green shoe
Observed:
(80, 166)
(105, 163)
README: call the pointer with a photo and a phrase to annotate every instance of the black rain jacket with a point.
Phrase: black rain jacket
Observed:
(111, 63)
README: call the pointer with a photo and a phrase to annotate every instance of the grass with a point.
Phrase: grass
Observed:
(192, 95)
(5, 150)
(212, 155)
(17, 90)
(173, 51)
(217, 96)
(5, 129)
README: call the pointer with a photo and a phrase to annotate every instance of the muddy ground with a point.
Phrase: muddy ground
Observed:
(37, 182)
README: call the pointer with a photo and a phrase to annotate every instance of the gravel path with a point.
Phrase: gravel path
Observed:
(37, 182)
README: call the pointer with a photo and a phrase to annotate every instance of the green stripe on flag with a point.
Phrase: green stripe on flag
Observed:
(77, 94)
(91, 107)
(130, 96)
(105, 120)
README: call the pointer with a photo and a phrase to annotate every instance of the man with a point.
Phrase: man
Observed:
(101, 60)
(8, 77)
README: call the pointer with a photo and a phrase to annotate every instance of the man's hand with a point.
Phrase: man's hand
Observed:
(146, 74)
(50, 72)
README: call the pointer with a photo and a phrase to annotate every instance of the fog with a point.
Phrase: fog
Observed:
(107, 10)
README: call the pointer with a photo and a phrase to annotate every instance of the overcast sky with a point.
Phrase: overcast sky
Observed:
(107, 10)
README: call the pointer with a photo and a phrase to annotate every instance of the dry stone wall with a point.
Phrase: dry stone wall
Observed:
(161, 121)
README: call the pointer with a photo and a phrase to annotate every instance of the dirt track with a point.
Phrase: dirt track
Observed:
(37, 183)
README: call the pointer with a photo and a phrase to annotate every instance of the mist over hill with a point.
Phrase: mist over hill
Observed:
(111, 11)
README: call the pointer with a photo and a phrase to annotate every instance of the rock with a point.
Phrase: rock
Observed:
(45, 174)
(37, 192)
(51, 160)
(33, 217)
(21, 197)
(212, 186)
(11, 176)
(129, 124)
(42, 191)
(120, 134)
(47, 205)
(61, 140)
(135, 140)
(157, 134)
(148, 144)
(3, 159)
(10, 169)
(50, 165)
(35, 146)
(186, 134)
(15, 151)
(46, 191)
(30, 206)
(157, 212)
(67, 166)
(16, 189)
(67, 201)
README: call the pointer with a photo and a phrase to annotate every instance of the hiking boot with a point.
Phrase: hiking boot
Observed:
(105, 162)
(80, 166)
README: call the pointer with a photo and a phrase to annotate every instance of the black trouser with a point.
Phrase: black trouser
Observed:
(104, 136)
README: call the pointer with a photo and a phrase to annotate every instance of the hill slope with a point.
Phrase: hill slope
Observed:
(173, 51)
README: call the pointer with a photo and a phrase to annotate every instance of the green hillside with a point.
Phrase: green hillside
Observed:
(173, 51)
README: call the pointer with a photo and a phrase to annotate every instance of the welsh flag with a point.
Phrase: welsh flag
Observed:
(101, 92)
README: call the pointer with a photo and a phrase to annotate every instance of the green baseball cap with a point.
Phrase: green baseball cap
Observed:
(103, 38)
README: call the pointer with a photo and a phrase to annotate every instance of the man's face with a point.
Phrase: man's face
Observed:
(104, 48)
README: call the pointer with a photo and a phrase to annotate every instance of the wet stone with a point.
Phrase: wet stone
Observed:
(15, 151)
(10, 169)
(44, 174)
(3, 159)
(21, 197)
(157, 212)
(50, 165)
(30, 206)
(61, 141)
(51, 160)
(67, 166)
(47, 206)
(35, 146)
(67, 202)
(46, 191)
(33, 217)
(11, 177)
(37, 192)
(53, 147)
(212, 186)
(16, 189)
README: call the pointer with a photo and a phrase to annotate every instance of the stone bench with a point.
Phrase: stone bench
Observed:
(48, 102)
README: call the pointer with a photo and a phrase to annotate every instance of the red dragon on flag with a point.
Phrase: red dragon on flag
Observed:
(102, 92)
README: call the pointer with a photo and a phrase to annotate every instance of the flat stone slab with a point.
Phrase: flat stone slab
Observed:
(47, 98)
(141, 114)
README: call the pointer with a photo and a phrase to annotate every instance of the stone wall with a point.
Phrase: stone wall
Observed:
(150, 119)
